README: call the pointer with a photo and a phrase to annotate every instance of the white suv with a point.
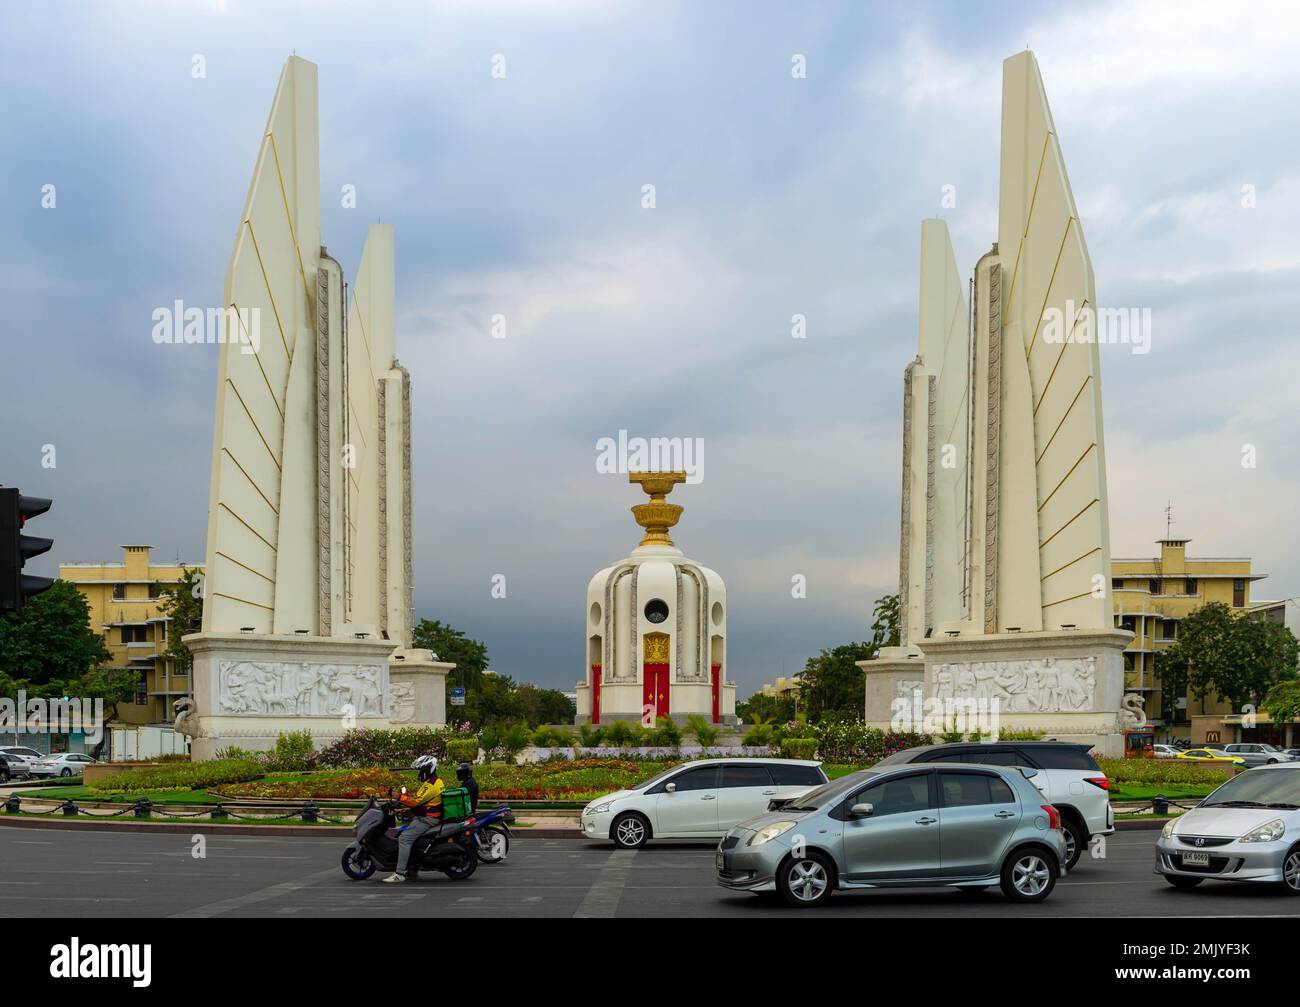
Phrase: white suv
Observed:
(702, 799)
(1067, 776)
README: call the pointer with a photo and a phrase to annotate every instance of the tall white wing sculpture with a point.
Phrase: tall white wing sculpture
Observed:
(309, 512)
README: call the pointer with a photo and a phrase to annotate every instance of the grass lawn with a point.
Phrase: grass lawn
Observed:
(1173, 791)
(86, 794)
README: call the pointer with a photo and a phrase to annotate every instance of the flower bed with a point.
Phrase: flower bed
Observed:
(178, 776)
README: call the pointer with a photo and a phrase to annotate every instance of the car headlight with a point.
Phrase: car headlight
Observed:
(1168, 831)
(1270, 832)
(599, 809)
(769, 832)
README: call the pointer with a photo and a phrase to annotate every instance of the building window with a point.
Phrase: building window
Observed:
(1117, 583)
(1192, 585)
(142, 690)
(1153, 586)
(135, 634)
(119, 592)
(1238, 593)
(1169, 630)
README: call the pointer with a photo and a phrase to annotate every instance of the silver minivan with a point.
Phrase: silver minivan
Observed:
(935, 825)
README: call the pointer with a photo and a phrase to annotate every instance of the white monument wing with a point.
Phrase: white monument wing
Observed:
(270, 283)
(1049, 322)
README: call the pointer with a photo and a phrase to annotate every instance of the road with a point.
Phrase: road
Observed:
(137, 874)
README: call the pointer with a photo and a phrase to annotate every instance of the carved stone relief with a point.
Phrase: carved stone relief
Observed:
(273, 689)
(1028, 685)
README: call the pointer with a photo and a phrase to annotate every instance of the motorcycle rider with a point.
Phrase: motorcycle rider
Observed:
(425, 810)
(465, 774)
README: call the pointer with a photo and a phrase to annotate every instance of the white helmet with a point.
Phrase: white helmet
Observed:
(426, 767)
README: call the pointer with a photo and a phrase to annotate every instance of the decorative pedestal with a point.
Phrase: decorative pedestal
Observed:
(895, 674)
(1068, 684)
(248, 688)
(417, 689)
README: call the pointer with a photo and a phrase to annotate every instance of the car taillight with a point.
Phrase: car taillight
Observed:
(1053, 816)
(1098, 781)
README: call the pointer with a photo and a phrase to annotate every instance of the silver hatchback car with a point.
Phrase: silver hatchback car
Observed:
(912, 826)
(1246, 830)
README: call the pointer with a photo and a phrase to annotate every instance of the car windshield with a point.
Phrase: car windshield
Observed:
(1260, 788)
(656, 778)
(829, 793)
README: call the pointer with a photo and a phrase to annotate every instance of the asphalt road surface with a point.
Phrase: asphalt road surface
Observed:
(101, 874)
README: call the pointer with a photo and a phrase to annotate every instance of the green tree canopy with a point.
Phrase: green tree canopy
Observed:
(450, 644)
(1239, 658)
(833, 683)
(182, 602)
(50, 641)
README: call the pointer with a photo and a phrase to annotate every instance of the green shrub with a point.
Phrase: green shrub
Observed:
(705, 733)
(462, 750)
(666, 733)
(365, 747)
(174, 757)
(589, 735)
(551, 736)
(798, 748)
(293, 751)
(620, 734)
(760, 734)
(514, 739)
(194, 776)
(1164, 771)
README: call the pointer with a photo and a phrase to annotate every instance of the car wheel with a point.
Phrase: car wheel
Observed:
(1029, 875)
(630, 831)
(1181, 883)
(1075, 841)
(66, 771)
(805, 881)
(1291, 871)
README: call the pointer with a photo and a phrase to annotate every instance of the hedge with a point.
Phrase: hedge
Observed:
(798, 748)
(364, 747)
(178, 776)
(462, 750)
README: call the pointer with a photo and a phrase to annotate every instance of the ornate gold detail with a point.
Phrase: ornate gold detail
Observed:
(655, 648)
(657, 516)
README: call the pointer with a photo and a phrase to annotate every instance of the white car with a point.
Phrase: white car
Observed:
(62, 764)
(1165, 751)
(703, 799)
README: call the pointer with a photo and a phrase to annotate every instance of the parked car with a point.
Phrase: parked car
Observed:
(902, 826)
(1212, 755)
(1293, 752)
(21, 752)
(1246, 830)
(1069, 778)
(62, 764)
(1257, 754)
(12, 768)
(1166, 751)
(700, 800)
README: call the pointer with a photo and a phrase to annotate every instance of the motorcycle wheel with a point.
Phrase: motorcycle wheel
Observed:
(467, 866)
(357, 863)
(495, 845)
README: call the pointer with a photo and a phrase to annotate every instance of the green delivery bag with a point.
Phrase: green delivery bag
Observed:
(455, 804)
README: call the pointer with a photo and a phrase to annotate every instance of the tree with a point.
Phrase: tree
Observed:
(767, 708)
(182, 603)
(450, 644)
(545, 706)
(50, 639)
(1282, 703)
(1238, 658)
(833, 682)
(885, 627)
(493, 701)
(113, 686)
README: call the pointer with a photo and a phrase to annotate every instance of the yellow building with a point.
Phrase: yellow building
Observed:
(1150, 596)
(781, 688)
(123, 601)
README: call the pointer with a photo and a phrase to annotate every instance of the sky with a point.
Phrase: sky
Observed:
(775, 195)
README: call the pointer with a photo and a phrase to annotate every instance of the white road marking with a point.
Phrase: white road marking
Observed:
(606, 891)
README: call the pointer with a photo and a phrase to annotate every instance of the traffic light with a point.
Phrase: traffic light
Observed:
(16, 548)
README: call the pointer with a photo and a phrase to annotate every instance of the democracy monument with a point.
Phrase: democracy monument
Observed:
(1004, 560)
(308, 611)
(656, 628)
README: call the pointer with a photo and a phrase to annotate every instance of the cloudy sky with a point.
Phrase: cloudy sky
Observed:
(775, 196)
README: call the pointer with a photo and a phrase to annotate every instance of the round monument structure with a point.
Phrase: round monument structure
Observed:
(656, 628)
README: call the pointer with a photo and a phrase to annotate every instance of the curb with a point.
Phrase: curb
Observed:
(210, 828)
(1142, 824)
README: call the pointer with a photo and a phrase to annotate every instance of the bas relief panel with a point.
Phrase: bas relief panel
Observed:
(1028, 685)
(268, 688)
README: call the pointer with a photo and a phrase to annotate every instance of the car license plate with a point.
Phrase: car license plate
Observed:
(1196, 860)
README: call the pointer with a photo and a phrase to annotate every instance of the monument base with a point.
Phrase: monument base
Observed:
(250, 688)
(895, 674)
(1066, 684)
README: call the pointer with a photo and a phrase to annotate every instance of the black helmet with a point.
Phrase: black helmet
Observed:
(464, 771)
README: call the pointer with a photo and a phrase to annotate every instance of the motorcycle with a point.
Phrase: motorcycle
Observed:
(490, 834)
(447, 848)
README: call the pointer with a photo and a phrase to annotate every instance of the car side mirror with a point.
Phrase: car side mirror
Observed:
(670, 788)
(862, 811)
